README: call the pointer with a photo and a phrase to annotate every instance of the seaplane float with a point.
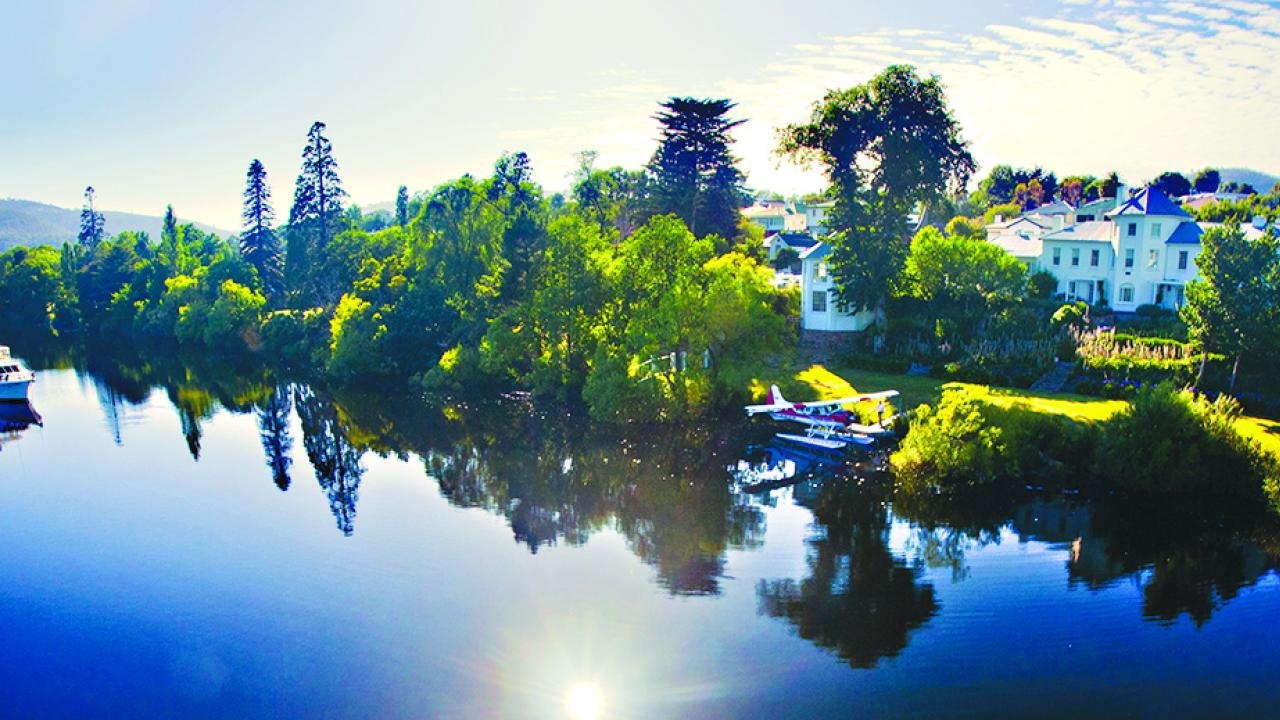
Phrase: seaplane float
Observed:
(829, 424)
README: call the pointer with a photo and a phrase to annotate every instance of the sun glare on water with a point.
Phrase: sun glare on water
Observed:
(584, 702)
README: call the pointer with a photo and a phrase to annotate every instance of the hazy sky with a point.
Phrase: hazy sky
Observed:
(155, 102)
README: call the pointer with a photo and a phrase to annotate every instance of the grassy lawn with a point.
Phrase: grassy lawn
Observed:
(818, 382)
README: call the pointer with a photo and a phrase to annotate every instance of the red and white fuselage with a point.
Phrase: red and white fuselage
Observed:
(829, 415)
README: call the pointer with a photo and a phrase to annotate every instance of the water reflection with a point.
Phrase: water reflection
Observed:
(16, 417)
(273, 427)
(557, 480)
(1188, 559)
(334, 458)
(858, 600)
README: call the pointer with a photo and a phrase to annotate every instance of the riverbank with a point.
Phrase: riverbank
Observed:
(820, 382)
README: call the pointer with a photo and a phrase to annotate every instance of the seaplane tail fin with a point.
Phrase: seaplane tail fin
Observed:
(775, 395)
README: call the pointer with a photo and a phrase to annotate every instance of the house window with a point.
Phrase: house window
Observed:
(1075, 257)
(820, 272)
(1057, 256)
(1133, 229)
(1153, 259)
(1084, 218)
(1126, 293)
(1128, 258)
(1155, 230)
(819, 300)
(1182, 259)
(1094, 257)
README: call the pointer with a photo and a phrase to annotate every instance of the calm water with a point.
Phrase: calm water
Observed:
(176, 546)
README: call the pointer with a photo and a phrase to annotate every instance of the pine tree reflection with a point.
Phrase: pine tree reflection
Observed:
(859, 601)
(273, 427)
(335, 460)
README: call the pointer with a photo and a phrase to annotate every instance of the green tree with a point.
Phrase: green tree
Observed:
(316, 210)
(169, 228)
(961, 280)
(695, 175)
(547, 340)
(402, 206)
(30, 288)
(91, 223)
(1172, 184)
(258, 243)
(1206, 180)
(887, 146)
(1233, 308)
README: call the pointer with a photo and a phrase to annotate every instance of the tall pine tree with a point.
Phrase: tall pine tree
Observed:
(92, 224)
(169, 232)
(696, 177)
(402, 206)
(258, 242)
(317, 207)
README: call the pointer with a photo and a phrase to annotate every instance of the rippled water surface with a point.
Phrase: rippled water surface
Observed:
(180, 546)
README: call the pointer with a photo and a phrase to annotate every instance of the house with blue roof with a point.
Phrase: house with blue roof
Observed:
(1141, 252)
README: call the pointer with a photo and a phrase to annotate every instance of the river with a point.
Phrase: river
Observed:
(217, 542)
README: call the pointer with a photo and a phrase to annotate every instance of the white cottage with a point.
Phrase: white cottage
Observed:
(819, 309)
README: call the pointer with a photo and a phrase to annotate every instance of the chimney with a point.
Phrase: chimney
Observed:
(1260, 221)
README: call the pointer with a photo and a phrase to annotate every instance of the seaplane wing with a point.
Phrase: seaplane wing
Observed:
(852, 399)
(778, 404)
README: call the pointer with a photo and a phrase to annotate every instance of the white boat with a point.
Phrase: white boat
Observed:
(14, 377)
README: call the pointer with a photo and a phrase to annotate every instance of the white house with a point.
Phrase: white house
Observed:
(815, 215)
(819, 308)
(1142, 252)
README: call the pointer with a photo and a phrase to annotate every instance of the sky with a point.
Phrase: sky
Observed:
(160, 102)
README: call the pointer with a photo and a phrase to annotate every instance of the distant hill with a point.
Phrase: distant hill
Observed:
(25, 222)
(1262, 182)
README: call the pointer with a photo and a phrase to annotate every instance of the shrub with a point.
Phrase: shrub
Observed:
(1071, 315)
(948, 445)
(1172, 441)
(1042, 285)
(1152, 312)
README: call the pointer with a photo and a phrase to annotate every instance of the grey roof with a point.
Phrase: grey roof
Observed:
(1021, 218)
(1092, 231)
(1057, 207)
(1150, 201)
(817, 252)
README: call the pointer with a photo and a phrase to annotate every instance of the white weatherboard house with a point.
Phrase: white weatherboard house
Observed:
(819, 308)
(1142, 252)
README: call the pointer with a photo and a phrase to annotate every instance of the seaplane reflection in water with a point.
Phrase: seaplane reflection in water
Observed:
(829, 425)
(16, 417)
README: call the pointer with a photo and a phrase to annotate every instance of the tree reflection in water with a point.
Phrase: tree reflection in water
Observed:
(859, 601)
(333, 457)
(273, 427)
(556, 480)
(1188, 558)
(665, 491)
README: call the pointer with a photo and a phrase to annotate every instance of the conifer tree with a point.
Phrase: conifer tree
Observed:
(696, 176)
(317, 205)
(258, 242)
(92, 224)
(169, 232)
(402, 206)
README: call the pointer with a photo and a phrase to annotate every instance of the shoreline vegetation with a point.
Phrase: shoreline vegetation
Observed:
(645, 296)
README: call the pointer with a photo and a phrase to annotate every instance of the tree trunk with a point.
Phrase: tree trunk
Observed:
(1204, 357)
(1235, 369)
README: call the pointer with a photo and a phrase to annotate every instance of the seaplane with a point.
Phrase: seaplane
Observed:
(829, 425)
